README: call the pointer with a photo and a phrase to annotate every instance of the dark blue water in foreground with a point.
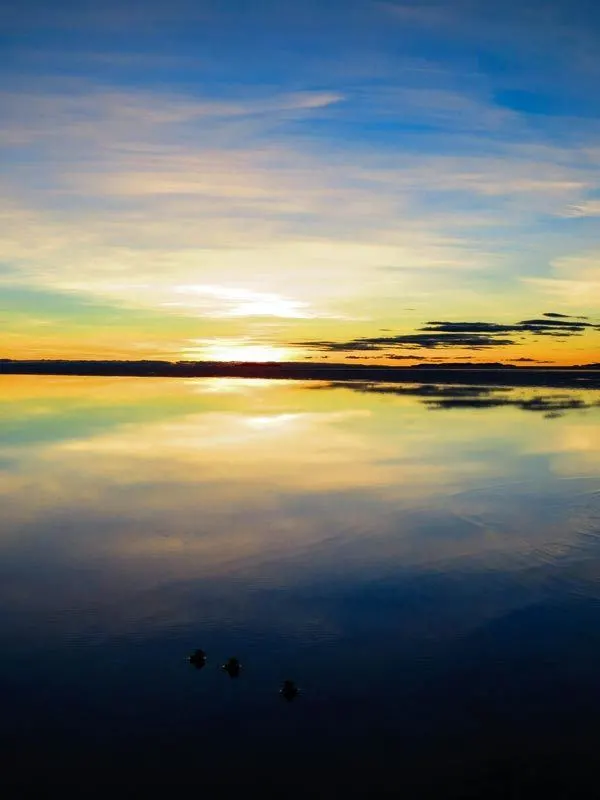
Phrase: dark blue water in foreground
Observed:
(423, 563)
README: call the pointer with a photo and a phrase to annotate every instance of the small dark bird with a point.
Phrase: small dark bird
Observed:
(198, 659)
(232, 667)
(289, 691)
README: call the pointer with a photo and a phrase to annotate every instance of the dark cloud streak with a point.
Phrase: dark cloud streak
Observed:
(437, 334)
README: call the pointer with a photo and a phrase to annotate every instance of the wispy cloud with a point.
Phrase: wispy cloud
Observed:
(223, 301)
(588, 208)
(574, 281)
(111, 116)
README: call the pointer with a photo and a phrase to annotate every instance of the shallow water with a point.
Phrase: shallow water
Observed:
(422, 561)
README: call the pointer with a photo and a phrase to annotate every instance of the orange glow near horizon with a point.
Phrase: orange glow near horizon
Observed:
(264, 342)
(238, 350)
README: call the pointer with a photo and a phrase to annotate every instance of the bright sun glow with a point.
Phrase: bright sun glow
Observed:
(236, 350)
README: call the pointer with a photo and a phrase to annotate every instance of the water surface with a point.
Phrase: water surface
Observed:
(421, 560)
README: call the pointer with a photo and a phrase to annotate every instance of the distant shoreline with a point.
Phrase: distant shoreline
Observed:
(579, 377)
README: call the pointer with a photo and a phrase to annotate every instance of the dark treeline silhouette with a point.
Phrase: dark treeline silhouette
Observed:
(579, 376)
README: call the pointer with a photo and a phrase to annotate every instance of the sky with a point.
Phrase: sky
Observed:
(341, 180)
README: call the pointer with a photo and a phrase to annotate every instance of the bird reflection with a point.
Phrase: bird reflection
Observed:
(198, 659)
(289, 691)
(232, 667)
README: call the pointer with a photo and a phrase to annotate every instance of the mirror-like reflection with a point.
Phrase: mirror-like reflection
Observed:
(553, 403)
(429, 580)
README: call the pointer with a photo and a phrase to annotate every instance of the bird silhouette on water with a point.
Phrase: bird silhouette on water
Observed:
(232, 667)
(198, 659)
(289, 691)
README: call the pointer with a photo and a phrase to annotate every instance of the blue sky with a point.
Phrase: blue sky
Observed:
(240, 179)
